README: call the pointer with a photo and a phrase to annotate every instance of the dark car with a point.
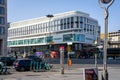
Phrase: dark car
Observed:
(22, 64)
(7, 60)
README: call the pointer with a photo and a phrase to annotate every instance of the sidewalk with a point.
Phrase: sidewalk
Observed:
(72, 74)
(75, 74)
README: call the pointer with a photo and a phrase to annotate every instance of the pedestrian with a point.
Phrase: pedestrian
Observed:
(16, 55)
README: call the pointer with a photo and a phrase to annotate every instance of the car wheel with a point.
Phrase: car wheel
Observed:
(22, 69)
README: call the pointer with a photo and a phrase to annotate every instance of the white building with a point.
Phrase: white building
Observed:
(3, 27)
(114, 39)
(73, 28)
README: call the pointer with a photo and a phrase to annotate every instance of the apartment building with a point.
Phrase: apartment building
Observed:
(3, 27)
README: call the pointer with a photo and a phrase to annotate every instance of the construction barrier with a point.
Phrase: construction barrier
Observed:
(69, 62)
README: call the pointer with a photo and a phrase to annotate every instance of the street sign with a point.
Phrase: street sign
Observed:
(68, 48)
(51, 42)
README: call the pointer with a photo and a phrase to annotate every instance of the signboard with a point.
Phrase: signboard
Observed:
(68, 48)
(58, 38)
(90, 74)
(89, 39)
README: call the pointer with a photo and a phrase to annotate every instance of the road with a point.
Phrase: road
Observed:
(75, 72)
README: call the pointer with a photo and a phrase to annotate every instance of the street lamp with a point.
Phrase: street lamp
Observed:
(49, 16)
(105, 4)
(95, 43)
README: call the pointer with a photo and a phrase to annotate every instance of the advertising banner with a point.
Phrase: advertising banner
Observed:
(90, 74)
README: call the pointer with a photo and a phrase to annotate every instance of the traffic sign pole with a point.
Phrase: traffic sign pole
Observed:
(68, 49)
(62, 59)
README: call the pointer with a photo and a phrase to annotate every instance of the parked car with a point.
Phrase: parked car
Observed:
(22, 64)
(7, 60)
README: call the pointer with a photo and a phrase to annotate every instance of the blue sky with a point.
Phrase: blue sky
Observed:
(27, 9)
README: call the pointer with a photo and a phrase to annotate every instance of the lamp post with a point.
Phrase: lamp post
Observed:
(49, 16)
(95, 43)
(105, 4)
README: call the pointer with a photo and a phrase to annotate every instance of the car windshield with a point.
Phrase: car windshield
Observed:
(25, 61)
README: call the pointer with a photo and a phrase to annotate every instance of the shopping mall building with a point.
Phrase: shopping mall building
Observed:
(76, 29)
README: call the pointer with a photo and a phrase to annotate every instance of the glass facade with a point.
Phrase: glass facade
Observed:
(2, 30)
(2, 2)
(2, 20)
(2, 10)
(65, 37)
(3, 27)
(79, 37)
(29, 41)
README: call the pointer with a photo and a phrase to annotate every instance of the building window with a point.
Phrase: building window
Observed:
(2, 20)
(40, 40)
(81, 19)
(2, 10)
(26, 41)
(68, 23)
(61, 21)
(2, 1)
(77, 22)
(20, 42)
(2, 30)
(72, 22)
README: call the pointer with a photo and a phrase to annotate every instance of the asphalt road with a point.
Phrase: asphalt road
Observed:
(83, 61)
(75, 69)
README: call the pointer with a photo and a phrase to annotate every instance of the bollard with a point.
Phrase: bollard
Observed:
(69, 62)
